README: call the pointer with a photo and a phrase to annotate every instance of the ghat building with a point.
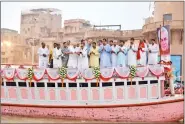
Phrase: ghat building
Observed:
(45, 25)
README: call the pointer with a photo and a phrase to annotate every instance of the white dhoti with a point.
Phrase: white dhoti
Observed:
(57, 59)
(43, 61)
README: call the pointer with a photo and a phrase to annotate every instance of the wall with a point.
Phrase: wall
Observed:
(175, 8)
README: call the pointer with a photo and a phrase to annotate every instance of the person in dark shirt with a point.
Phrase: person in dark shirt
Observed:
(65, 56)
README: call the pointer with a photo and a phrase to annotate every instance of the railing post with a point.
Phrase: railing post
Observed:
(17, 90)
(148, 89)
(125, 90)
(5, 89)
(78, 91)
(67, 91)
(159, 88)
(101, 91)
(137, 90)
(29, 90)
(89, 91)
(46, 91)
(114, 90)
(56, 91)
(36, 91)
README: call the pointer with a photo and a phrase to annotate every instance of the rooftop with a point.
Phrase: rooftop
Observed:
(41, 10)
(6, 30)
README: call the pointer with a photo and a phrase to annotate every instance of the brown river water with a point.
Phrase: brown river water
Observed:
(19, 119)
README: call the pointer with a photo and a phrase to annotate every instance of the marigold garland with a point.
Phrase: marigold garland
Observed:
(63, 74)
(97, 73)
(30, 74)
(132, 72)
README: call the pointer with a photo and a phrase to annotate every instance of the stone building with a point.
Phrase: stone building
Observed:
(13, 48)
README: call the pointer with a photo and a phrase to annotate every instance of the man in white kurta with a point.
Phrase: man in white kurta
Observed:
(73, 57)
(131, 54)
(141, 53)
(153, 50)
(114, 52)
(43, 53)
(57, 57)
(77, 52)
(121, 58)
(82, 57)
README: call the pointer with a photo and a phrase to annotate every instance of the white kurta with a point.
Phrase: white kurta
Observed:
(143, 59)
(131, 55)
(43, 61)
(121, 58)
(77, 50)
(73, 58)
(83, 59)
(57, 59)
(153, 56)
(114, 55)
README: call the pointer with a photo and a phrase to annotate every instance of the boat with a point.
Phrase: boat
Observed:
(113, 97)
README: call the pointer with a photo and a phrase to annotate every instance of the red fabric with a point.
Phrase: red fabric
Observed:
(141, 45)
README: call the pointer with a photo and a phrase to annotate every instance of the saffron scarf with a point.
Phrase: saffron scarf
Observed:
(141, 45)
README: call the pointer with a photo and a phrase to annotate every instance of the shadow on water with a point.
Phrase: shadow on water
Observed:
(18, 119)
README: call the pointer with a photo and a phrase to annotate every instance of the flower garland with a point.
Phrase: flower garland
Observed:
(97, 73)
(132, 72)
(63, 74)
(30, 74)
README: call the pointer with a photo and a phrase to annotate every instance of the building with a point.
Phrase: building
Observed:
(173, 14)
(40, 25)
(75, 29)
(41, 22)
(13, 48)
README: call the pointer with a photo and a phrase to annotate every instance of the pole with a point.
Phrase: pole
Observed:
(33, 49)
(160, 45)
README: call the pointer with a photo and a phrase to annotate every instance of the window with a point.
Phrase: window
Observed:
(42, 29)
(3, 60)
(2, 53)
(167, 17)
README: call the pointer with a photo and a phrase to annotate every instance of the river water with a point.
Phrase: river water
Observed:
(19, 119)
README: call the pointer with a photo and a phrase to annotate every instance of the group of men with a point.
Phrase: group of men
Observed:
(105, 54)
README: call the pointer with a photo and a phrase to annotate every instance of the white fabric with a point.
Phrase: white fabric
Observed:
(114, 55)
(57, 59)
(83, 59)
(72, 62)
(153, 56)
(143, 59)
(43, 61)
(131, 55)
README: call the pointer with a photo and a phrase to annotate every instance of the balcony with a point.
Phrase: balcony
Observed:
(174, 24)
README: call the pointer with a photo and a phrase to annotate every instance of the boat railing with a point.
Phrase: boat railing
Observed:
(44, 90)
